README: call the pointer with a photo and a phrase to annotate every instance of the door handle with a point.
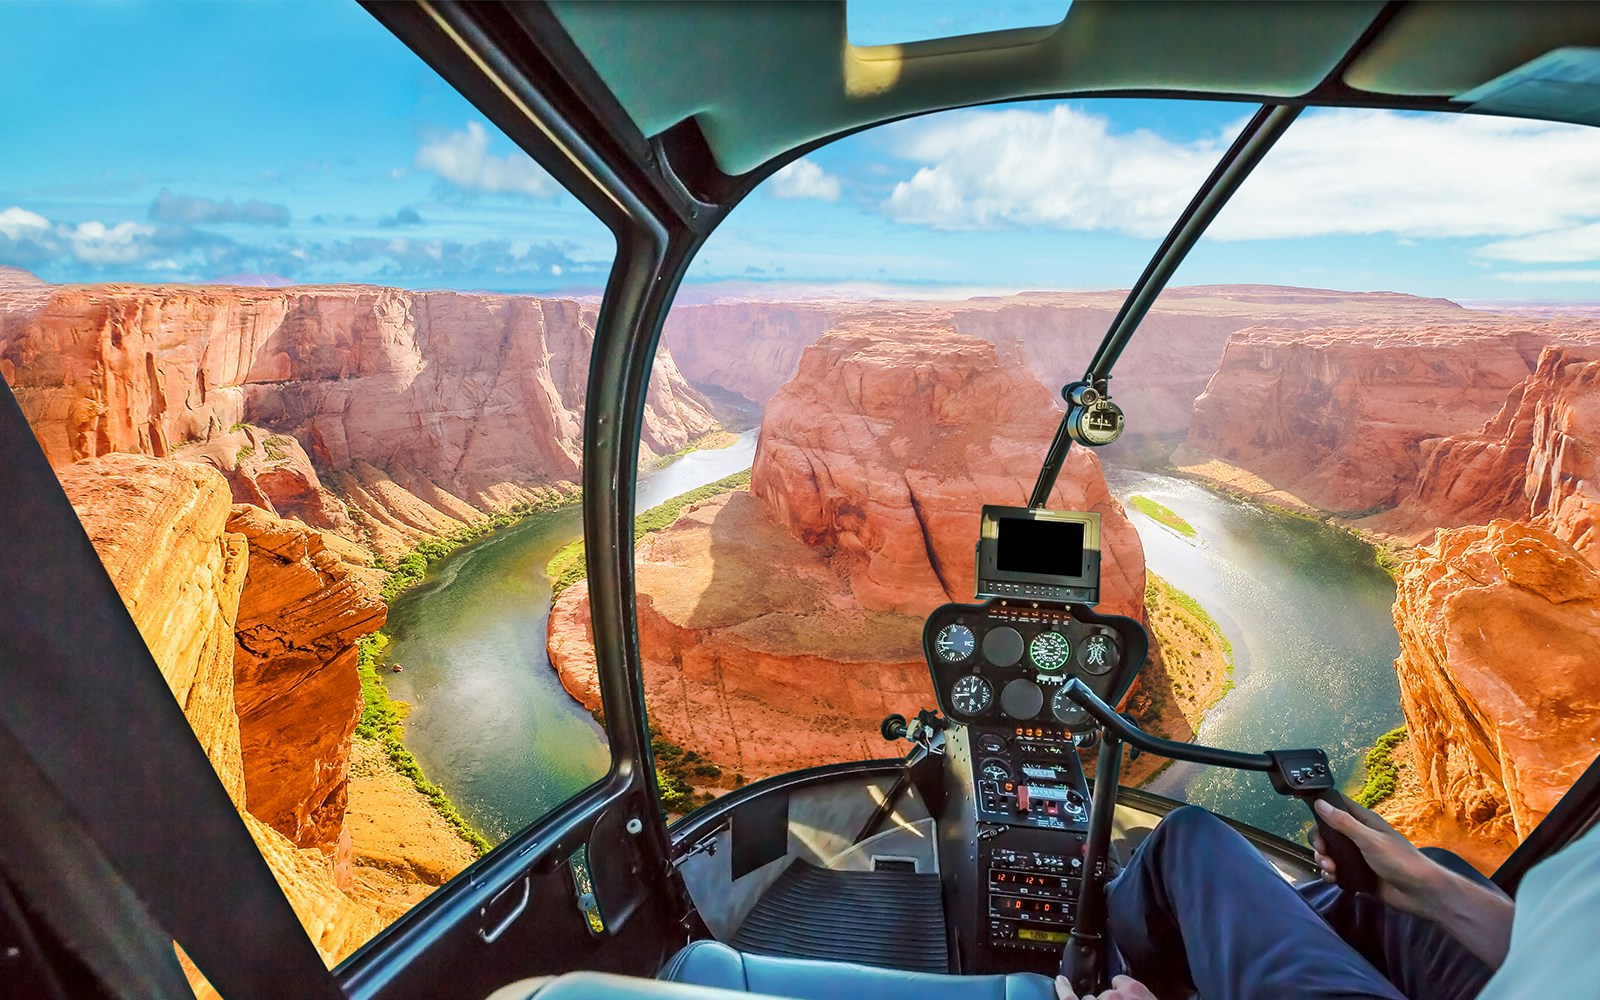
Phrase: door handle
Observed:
(490, 936)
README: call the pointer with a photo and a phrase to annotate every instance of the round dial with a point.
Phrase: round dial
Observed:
(995, 769)
(1049, 651)
(1097, 423)
(1021, 699)
(954, 643)
(971, 695)
(1002, 646)
(1099, 654)
(1066, 711)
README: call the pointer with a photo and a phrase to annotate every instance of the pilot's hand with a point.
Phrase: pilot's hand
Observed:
(1122, 988)
(1409, 879)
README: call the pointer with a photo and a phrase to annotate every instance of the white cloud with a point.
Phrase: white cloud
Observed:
(18, 223)
(1559, 246)
(97, 243)
(463, 159)
(1575, 275)
(804, 179)
(1336, 172)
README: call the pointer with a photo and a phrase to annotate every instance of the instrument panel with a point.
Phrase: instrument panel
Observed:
(1004, 661)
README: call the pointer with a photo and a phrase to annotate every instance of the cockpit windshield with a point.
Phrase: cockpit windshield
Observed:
(315, 378)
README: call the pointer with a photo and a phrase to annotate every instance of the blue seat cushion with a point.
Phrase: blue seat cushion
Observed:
(710, 963)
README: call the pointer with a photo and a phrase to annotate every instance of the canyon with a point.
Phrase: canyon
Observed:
(1475, 442)
(307, 435)
(375, 414)
(797, 607)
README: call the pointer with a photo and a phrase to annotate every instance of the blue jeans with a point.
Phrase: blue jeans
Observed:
(1197, 908)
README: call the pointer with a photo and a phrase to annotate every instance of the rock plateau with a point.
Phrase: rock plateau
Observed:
(797, 608)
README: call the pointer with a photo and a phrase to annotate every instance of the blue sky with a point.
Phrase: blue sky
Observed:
(196, 141)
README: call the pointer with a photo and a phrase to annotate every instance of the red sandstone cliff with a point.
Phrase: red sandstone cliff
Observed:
(1342, 417)
(161, 528)
(752, 347)
(1499, 676)
(797, 609)
(421, 409)
(1535, 460)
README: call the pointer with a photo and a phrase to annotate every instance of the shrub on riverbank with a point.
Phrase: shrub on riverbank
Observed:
(1382, 772)
(709, 441)
(568, 565)
(380, 720)
(414, 565)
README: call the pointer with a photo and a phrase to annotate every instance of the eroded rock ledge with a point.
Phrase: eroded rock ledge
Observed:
(1499, 677)
(779, 626)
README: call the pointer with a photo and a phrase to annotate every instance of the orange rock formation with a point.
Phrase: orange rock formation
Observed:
(420, 410)
(161, 530)
(1339, 416)
(778, 627)
(1500, 675)
(1535, 460)
(294, 670)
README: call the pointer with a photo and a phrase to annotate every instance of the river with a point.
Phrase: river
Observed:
(1307, 610)
(490, 722)
(1309, 614)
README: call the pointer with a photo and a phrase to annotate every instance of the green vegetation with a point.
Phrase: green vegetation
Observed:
(237, 427)
(1382, 772)
(676, 769)
(381, 718)
(567, 566)
(276, 447)
(708, 440)
(414, 565)
(1155, 587)
(1162, 514)
(1388, 557)
(243, 453)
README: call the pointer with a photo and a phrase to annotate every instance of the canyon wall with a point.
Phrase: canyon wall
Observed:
(797, 608)
(752, 347)
(1535, 460)
(411, 411)
(1499, 676)
(161, 529)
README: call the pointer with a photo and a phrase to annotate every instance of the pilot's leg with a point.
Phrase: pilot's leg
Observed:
(1417, 955)
(1198, 908)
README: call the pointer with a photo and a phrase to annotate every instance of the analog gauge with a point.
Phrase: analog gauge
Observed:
(1049, 651)
(1099, 654)
(971, 695)
(995, 769)
(1066, 711)
(991, 743)
(955, 643)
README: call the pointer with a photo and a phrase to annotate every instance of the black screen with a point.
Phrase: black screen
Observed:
(1045, 548)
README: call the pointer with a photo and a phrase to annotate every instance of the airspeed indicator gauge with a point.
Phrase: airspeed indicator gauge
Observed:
(1049, 651)
(971, 695)
(954, 643)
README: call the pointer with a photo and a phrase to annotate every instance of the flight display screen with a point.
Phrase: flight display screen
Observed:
(1046, 548)
(1039, 934)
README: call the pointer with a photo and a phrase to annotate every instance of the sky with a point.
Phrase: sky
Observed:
(300, 141)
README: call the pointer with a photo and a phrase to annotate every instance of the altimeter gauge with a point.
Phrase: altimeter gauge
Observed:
(1049, 651)
(954, 643)
(971, 695)
(1066, 711)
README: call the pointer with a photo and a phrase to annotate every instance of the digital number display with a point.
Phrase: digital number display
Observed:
(1024, 879)
(1041, 907)
(1045, 548)
(1035, 934)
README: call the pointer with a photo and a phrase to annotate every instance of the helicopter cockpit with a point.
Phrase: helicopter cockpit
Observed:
(963, 847)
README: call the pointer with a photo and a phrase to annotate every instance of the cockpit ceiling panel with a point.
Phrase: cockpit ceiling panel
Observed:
(765, 78)
(1445, 49)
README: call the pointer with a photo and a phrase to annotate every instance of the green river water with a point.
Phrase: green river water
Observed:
(1306, 608)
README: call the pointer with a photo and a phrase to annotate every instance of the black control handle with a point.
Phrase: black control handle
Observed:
(1351, 870)
(894, 727)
